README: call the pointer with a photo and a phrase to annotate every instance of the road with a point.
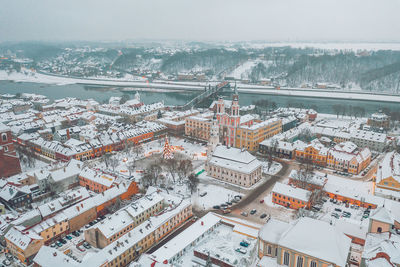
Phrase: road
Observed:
(264, 187)
(251, 198)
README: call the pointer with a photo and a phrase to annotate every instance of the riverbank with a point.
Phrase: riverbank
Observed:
(166, 86)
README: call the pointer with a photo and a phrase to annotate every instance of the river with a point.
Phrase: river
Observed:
(102, 94)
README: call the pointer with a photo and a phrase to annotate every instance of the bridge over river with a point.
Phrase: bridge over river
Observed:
(208, 92)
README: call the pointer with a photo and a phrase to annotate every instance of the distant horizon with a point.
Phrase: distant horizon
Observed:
(207, 20)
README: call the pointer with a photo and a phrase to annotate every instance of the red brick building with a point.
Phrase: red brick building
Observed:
(9, 161)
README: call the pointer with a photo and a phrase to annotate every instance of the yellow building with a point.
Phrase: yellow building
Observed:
(198, 126)
(23, 244)
(281, 243)
(388, 177)
(53, 228)
(249, 137)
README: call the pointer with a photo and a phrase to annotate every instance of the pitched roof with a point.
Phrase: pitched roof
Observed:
(383, 215)
(318, 239)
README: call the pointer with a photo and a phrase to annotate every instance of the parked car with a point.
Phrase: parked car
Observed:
(53, 245)
(315, 208)
(241, 250)
(6, 262)
(261, 200)
(203, 194)
(63, 241)
(59, 244)
(9, 257)
(227, 211)
(253, 211)
(263, 216)
(216, 207)
(335, 215)
(245, 214)
(244, 244)
(68, 237)
(81, 249)
(338, 210)
(87, 245)
(238, 197)
(75, 233)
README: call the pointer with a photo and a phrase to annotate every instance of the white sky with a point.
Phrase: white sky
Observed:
(230, 20)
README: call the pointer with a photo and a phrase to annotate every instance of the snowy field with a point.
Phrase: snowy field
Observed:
(242, 71)
(29, 76)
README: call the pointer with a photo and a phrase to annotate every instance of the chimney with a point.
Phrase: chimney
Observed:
(65, 170)
(68, 135)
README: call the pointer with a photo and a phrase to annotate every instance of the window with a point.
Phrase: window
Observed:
(269, 250)
(313, 264)
(379, 230)
(4, 137)
(286, 256)
(299, 261)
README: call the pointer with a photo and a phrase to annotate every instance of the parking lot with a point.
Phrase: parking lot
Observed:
(74, 244)
(6, 259)
(339, 210)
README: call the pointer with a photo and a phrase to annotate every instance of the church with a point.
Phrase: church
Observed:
(229, 164)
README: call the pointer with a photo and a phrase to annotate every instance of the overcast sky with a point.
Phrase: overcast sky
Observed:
(204, 20)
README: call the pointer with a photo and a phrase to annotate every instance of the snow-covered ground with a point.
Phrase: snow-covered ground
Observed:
(243, 70)
(222, 243)
(216, 195)
(274, 169)
(38, 164)
(30, 76)
(322, 94)
(278, 211)
(193, 151)
(331, 46)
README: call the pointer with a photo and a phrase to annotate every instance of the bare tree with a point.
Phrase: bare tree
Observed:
(305, 135)
(106, 159)
(316, 196)
(172, 166)
(193, 182)
(185, 167)
(272, 150)
(305, 173)
(131, 167)
(138, 149)
(151, 175)
(114, 163)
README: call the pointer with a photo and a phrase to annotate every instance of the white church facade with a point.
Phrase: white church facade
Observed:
(229, 164)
